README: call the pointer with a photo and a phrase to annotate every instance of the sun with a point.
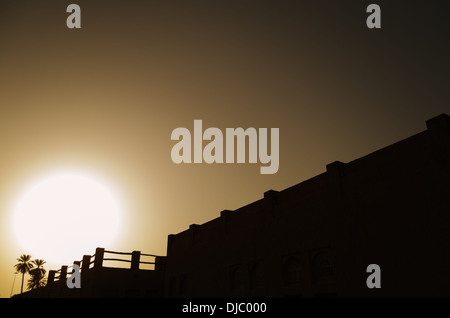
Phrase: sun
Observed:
(65, 215)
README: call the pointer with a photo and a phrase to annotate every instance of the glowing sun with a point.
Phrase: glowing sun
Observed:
(65, 215)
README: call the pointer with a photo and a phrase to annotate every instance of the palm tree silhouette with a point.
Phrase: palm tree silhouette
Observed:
(36, 280)
(23, 266)
(40, 265)
(37, 274)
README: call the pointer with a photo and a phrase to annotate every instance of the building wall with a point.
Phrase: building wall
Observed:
(317, 238)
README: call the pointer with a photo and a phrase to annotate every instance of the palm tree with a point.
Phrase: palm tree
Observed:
(37, 278)
(40, 265)
(23, 266)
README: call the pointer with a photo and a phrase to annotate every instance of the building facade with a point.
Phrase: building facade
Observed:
(317, 238)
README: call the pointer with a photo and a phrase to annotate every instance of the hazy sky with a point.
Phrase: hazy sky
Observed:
(106, 97)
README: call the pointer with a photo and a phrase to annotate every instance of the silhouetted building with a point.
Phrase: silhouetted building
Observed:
(315, 239)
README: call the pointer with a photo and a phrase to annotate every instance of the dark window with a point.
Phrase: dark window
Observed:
(172, 286)
(182, 285)
(236, 277)
(322, 268)
(256, 275)
(291, 271)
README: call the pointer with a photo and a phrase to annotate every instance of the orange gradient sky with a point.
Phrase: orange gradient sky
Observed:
(105, 98)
